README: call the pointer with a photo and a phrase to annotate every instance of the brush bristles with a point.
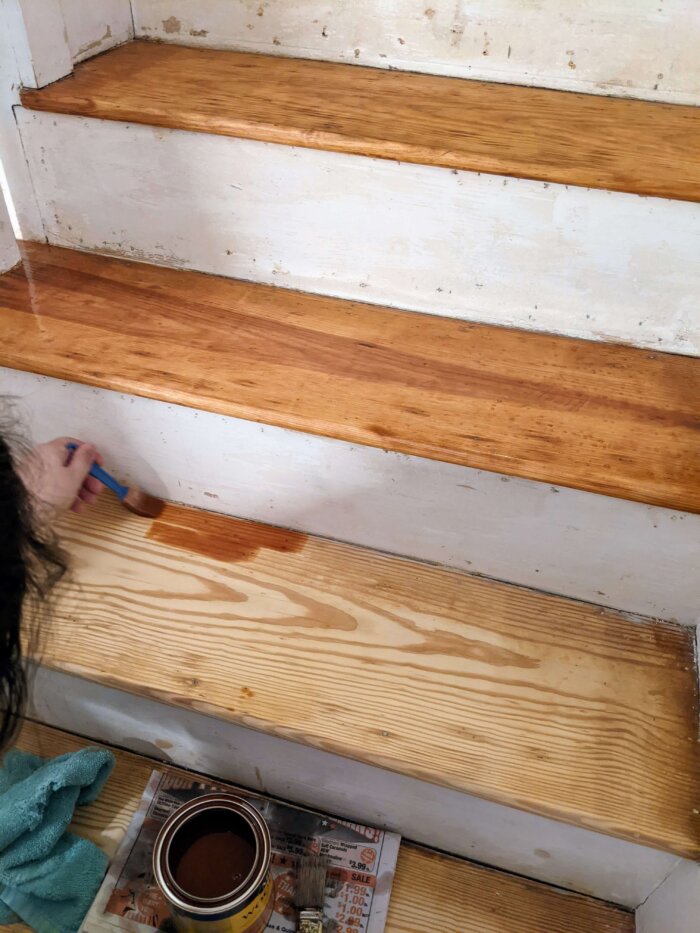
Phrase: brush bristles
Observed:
(141, 503)
(311, 882)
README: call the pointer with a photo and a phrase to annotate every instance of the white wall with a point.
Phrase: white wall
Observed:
(607, 551)
(640, 48)
(38, 43)
(500, 836)
(37, 34)
(93, 26)
(14, 172)
(674, 907)
(9, 253)
(596, 264)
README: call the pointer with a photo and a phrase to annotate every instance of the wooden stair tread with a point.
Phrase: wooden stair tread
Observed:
(603, 418)
(431, 892)
(553, 136)
(533, 701)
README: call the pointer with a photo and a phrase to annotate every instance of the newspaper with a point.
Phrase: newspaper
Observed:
(362, 864)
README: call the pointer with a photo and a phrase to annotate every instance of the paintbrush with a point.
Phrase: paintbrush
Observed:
(310, 893)
(132, 498)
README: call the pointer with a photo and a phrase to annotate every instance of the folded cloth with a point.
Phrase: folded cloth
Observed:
(48, 877)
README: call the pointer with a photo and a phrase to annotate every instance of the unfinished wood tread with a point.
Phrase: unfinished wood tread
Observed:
(537, 702)
(553, 136)
(432, 893)
(603, 418)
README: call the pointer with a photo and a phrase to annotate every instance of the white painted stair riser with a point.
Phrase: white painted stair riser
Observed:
(587, 263)
(673, 907)
(640, 48)
(611, 552)
(541, 848)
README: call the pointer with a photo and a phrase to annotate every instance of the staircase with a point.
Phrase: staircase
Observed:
(414, 360)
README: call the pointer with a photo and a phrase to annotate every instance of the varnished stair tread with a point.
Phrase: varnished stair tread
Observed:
(604, 418)
(554, 136)
(538, 702)
(431, 892)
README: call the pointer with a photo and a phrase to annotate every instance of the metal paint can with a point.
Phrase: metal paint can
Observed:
(191, 869)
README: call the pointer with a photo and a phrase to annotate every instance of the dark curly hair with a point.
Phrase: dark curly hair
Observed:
(31, 563)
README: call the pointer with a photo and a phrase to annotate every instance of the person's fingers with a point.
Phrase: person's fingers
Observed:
(78, 506)
(58, 447)
(93, 485)
(61, 444)
(82, 460)
(86, 496)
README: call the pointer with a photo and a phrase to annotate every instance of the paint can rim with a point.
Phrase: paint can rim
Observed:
(243, 892)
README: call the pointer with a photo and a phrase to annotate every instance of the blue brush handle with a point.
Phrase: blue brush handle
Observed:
(104, 477)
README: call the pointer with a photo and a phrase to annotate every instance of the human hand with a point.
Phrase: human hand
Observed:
(58, 478)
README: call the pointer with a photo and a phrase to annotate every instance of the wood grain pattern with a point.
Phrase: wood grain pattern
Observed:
(439, 895)
(431, 892)
(548, 705)
(602, 418)
(599, 142)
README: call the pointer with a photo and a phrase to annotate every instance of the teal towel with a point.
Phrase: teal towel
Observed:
(48, 877)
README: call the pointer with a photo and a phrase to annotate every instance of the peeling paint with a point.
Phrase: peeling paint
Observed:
(558, 251)
(628, 46)
(457, 31)
(172, 25)
(96, 43)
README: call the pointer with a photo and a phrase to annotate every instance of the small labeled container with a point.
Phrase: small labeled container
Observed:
(212, 862)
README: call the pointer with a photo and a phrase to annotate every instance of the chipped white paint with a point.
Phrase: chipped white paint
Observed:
(37, 34)
(530, 845)
(594, 264)
(95, 26)
(9, 253)
(674, 907)
(15, 181)
(608, 551)
(639, 48)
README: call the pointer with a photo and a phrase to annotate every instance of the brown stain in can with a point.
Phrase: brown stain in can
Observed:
(214, 865)
(220, 536)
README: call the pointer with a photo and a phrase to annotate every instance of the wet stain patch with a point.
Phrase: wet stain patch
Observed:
(219, 536)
